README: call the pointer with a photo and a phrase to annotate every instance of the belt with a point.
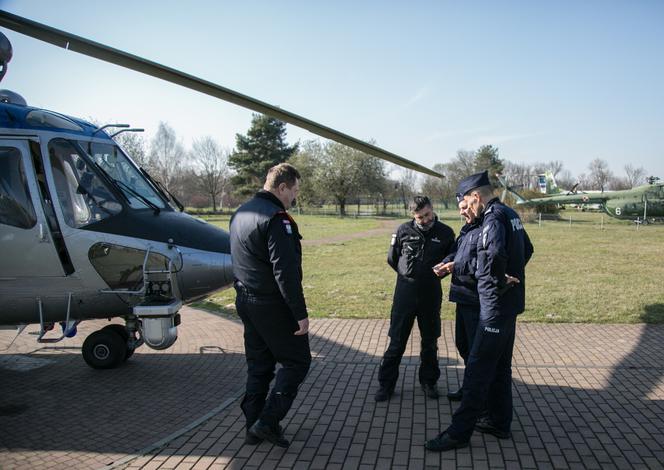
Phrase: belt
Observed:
(250, 295)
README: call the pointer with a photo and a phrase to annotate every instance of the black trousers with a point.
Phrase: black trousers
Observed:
(268, 340)
(467, 317)
(487, 381)
(413, 300)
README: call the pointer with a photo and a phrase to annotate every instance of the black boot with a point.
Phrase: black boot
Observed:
(443, 442)
(275, 435)
(455, 396)
(383, 393)
(431, 391)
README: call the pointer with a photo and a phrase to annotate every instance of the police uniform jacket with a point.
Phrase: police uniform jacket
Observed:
(463, 288)
(266, 252)
(503, 248)
(413, 253)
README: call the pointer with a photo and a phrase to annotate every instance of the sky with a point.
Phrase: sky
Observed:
(564, 80)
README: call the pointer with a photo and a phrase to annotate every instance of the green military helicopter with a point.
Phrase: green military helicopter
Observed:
(643, 203)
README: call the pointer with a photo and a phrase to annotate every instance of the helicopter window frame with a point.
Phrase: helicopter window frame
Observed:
(49, 119)
(84, 195)
(15, 193)
(120, 171)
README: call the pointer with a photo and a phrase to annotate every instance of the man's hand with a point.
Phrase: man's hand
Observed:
(304, 327)
(443, 269)
(511, 279)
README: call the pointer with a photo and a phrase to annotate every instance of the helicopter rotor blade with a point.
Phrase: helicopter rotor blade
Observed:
(115, 56)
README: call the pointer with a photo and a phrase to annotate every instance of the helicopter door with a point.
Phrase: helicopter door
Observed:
(26, 245)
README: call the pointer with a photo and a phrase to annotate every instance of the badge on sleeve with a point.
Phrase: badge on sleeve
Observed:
(287, 226)
(394, 239)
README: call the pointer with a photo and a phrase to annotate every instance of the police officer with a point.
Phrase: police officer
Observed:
(415, 249)
(503, 248)
(461, 263)
(267, 265)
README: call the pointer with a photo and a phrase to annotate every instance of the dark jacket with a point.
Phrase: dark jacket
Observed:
(463, 287)
(266, 252)
(503, 248)
(413, 253)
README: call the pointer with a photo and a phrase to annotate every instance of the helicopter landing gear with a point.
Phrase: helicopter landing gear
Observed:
(104, 349)
(124, 333)
(112, 345)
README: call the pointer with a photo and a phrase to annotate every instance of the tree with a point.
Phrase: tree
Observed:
(263, 147)
(134, 145)
(344, 173)
(307, 160)
(461, 166)
(600, 174)
(166, 156)
(565, 180)
(554, 166)
(407, 187)
(486, 158)
(438, 189)
(211, 166)
(518, 175)
(635, 176)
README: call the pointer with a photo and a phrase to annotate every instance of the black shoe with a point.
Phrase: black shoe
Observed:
(264, 431)
(455, 396)
(252, 439)
(485, 426)
(443, 442)
(383, 394)
(430, 391)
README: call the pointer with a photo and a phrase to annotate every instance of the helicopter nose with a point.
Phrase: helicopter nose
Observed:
(202, 273)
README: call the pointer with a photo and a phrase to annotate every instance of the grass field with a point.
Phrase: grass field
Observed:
(579, 273)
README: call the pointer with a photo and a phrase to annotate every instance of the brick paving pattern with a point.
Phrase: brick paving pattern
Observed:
(586, 396)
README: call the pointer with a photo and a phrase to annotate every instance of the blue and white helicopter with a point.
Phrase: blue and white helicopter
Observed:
(86, 233)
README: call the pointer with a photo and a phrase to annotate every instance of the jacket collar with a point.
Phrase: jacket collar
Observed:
(263, 194)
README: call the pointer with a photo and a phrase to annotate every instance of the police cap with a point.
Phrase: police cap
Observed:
(471, 182)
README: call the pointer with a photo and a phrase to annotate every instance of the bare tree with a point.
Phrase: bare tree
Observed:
(438, 189)
(407, 187)
(211, 168)
(554, 166)
(134, 145)
(518, 175)
(565, 180)
(600, 174)
(634, 176)
(166, 156)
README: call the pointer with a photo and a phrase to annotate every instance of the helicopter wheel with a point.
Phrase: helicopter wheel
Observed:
(104, 349)
(122, 331)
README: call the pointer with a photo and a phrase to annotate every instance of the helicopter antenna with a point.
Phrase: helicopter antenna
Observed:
(101, 128)
(127, 130)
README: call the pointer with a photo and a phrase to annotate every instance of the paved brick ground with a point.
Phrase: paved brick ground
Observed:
(586, 396)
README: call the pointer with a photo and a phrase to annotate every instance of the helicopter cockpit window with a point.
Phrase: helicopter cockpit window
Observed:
(131, 181)
(43, 118)
(15, 205)
(83, 195)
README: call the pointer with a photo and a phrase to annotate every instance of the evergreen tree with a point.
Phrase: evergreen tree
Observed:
(263, 147)
(486, 158)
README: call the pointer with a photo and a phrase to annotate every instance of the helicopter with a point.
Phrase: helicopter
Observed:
(86, 233)
(644, 203)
